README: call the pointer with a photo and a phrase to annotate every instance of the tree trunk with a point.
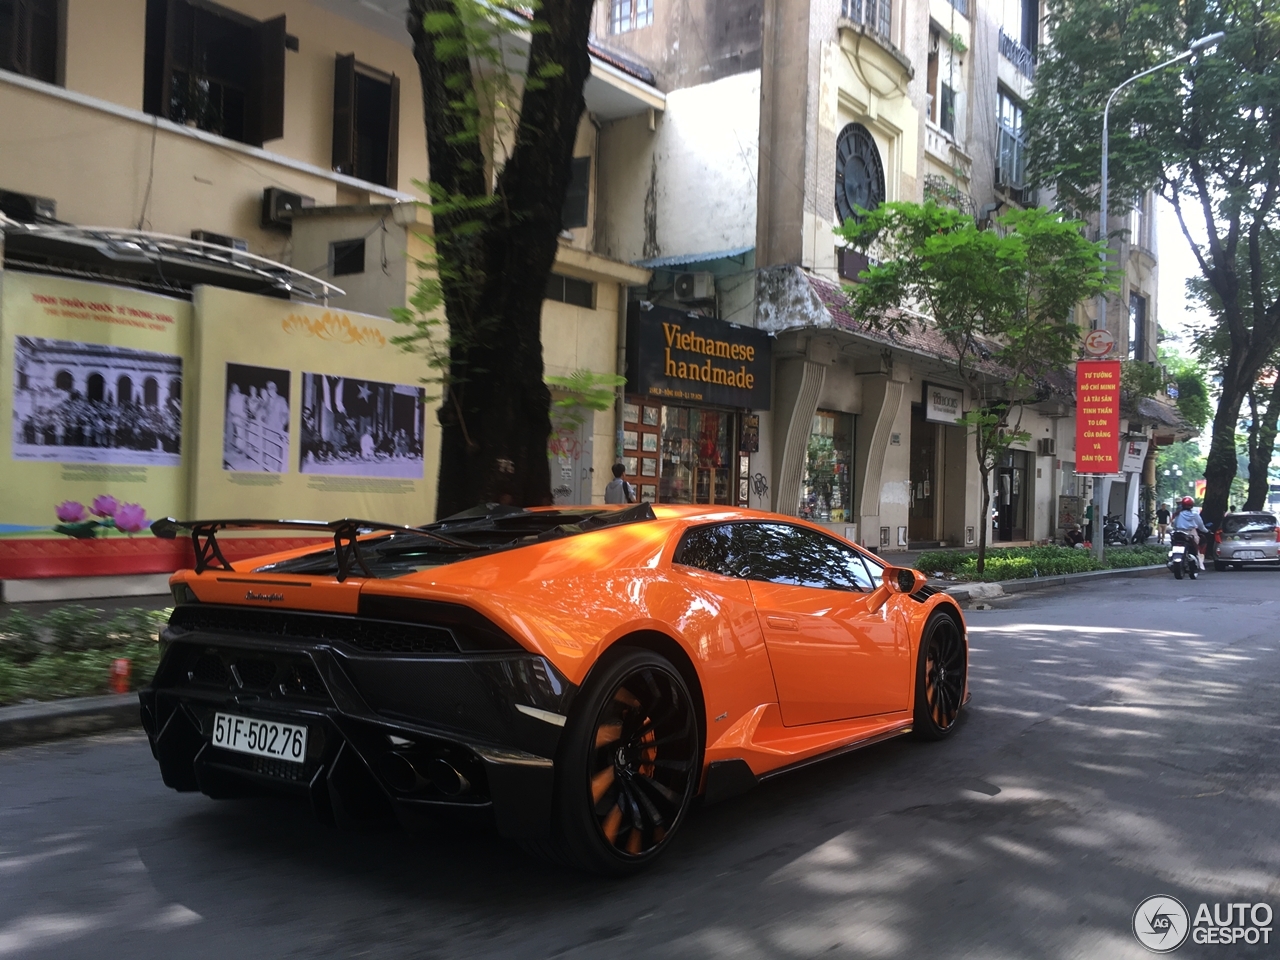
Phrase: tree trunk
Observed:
(1260, 452)
(984, 520)
(1220, 465)
(495, 414)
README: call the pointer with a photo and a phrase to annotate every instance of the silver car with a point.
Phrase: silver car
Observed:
(1247, 539)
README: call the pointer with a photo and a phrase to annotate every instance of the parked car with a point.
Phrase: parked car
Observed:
(580, 674)
(1247, 539)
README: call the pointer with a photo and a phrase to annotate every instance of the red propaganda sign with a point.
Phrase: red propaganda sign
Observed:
(1098, 416)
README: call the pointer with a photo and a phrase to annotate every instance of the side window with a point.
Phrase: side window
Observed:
(216, 69)
(366, 121)
(875, 571)
(804, 558)
(715, 549)
(778, 553)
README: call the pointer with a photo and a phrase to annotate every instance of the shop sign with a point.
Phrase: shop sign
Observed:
(680, 356)
(1135, 453)
(1098, 416)
(942, 404)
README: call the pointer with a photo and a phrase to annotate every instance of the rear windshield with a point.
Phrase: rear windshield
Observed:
(461, 537)
(1250, 523)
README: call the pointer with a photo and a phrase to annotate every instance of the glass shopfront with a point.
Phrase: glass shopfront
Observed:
(675, 453)
(826, 489)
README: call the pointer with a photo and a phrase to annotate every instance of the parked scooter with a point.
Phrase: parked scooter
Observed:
(1182, 556)
(1113, 532)
(1143, 532)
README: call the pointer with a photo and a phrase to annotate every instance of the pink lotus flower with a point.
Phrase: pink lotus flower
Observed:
(71, 511)
(131, 518)
(105, 505)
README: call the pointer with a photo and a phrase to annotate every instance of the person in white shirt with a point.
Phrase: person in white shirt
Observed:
(618, 490)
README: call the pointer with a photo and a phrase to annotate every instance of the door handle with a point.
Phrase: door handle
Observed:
(783, 623)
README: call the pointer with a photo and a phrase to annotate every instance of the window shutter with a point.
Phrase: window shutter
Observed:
(264, 109)
(574, 212)
(344, 114)
(158, 58)
(393, 134)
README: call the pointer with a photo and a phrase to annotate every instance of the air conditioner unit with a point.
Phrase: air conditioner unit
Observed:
(279, 206)
(1046, 447)
(221, 239)
(695, 286)
(27, 208)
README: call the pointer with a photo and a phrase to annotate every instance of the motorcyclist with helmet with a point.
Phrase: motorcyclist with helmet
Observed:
(1186, 521)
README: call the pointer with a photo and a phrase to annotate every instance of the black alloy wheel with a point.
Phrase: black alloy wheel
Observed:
(941, 667)
(628, 766)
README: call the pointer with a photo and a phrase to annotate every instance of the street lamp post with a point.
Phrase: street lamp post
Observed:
(1100, 322)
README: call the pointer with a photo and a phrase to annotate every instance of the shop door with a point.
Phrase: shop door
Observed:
(699, 460)
(641, 435)
(1011, 495)
(923, 514)
(570, 446)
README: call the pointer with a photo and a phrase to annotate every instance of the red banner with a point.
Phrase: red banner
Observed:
(1098, 416)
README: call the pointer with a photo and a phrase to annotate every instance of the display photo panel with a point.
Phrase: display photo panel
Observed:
(255, 434)
(354, 427)
(76, 402)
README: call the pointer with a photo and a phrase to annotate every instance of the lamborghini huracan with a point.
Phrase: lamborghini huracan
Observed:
(582, 675)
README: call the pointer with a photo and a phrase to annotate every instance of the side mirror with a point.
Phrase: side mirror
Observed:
(895, 580)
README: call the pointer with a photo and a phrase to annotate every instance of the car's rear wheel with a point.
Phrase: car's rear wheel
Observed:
(628, 766)
(1221, 567)
(941, 667)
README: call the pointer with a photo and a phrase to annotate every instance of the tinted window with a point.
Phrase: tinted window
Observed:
(777, 553)
(1250, 523)
(715, 549)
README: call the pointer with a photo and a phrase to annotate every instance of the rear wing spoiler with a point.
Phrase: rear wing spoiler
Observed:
(346, 534)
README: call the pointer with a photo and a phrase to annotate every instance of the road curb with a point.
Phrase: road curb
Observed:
(978, 591)
(29, 723)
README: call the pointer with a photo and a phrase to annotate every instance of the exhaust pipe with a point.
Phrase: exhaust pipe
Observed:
(412, 775)
(446, 779)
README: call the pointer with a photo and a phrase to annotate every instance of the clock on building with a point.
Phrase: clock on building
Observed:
(859, 172)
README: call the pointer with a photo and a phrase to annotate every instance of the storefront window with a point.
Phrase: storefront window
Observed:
(699, 450)
(826, 488)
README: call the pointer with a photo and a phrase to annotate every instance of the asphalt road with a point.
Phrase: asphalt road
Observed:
(1121, 742)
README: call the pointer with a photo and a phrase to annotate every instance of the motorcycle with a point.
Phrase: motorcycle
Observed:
(1113, 532)
(1182, 556)
(1143, 533)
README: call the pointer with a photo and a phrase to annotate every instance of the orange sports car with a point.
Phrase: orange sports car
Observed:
(582, 673)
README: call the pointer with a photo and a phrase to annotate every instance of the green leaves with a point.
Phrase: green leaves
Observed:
(1003, 299)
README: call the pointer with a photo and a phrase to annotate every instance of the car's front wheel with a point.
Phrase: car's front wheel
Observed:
(941, 667)
(628, 766)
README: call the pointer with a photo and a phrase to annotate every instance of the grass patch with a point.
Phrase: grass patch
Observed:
(68, 652)
(1023, 563)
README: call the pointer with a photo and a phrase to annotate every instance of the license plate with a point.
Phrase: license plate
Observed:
(262, 738)
(1248, 554)
(1176, 552)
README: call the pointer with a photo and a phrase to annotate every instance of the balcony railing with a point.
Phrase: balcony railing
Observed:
(1022, 58)
(1011, 160)
(874, 15)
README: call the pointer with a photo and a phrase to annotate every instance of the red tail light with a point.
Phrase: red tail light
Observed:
(1277, 534)
(1217, 536)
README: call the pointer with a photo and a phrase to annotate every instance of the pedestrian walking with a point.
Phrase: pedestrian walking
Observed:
(1162, 520)
(618, 490)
